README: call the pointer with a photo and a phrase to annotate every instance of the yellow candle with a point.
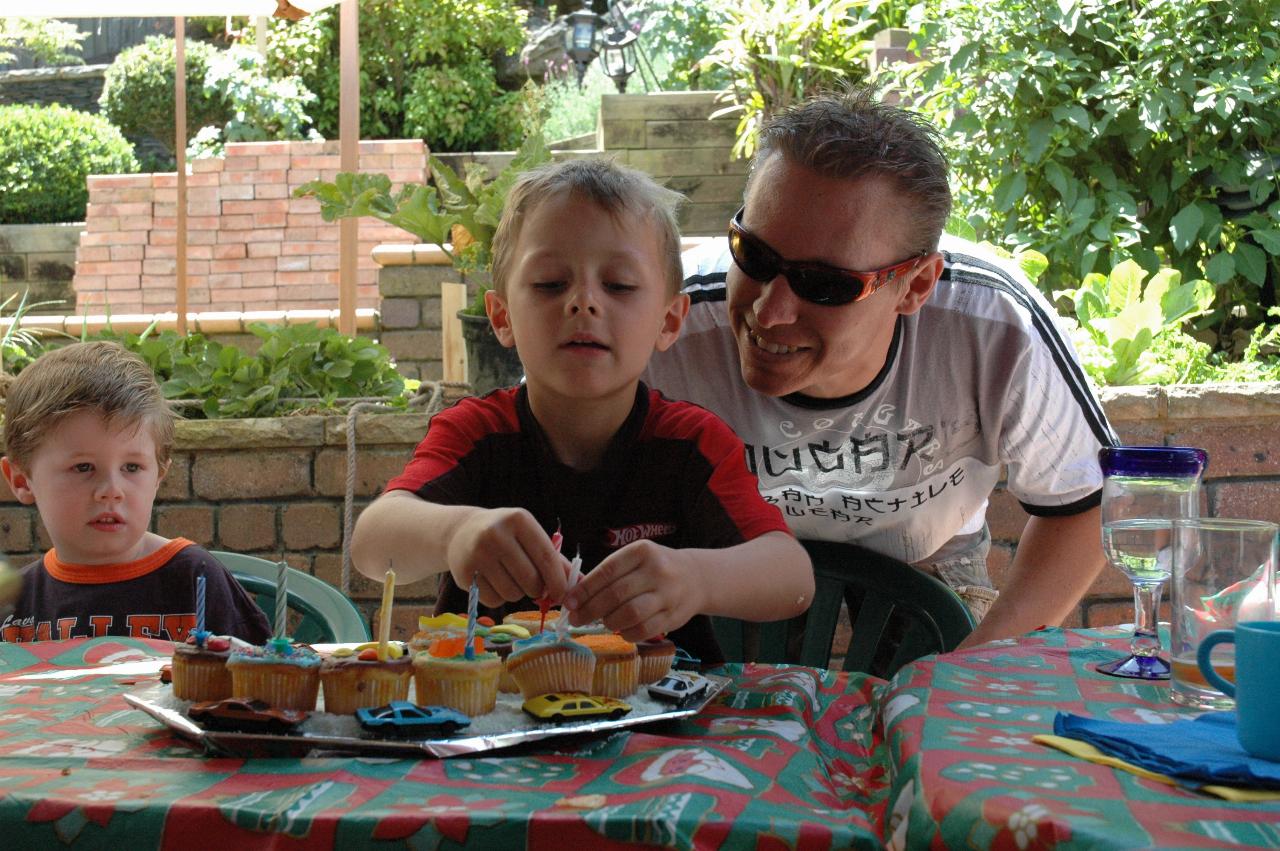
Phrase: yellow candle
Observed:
(384, 626)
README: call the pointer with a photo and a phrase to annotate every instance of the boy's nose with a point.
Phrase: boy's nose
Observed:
(583, 299)
(109, 489)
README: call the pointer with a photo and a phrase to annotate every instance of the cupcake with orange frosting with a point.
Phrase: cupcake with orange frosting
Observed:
(617, 670)
(444, 676)
(532, 620)
(544, 664)
(355, 677)
(432, 627)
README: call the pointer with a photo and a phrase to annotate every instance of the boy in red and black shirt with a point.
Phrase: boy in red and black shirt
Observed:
(87, 438)
(654, 494)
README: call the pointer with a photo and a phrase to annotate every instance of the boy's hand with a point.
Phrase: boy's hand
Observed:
(512, 555)
(641, 590)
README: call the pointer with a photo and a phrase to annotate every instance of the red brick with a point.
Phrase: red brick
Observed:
(185, 521)
(229, 251)
(270, 220)
(271, 190)
(112, 267)
(137, 223)
(226, 475)
(264, 249)
(1247, 500)
(95, 253)
(206, 166)
(264, 235)
(241, 163)
(126, 252)
(236, 192)
(1234, 450)
(97, 224)
(119, 181)
(17, 528)
(242, 528)
(243, 264)
(307, 526)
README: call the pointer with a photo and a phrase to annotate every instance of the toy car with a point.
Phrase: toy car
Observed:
(402, 718)
(246, 716)
(563, 707)
(679, 685)
(684, 661)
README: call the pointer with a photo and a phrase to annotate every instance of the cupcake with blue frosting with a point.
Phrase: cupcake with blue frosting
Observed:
(284, 674)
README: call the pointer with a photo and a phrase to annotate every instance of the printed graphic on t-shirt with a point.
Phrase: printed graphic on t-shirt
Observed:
(172, 627)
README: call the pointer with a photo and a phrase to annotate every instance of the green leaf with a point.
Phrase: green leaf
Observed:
(1185, 226)
(1039, 134)
(1220, 268)
(1268, 239)
(1124, 285)
(1251, 262)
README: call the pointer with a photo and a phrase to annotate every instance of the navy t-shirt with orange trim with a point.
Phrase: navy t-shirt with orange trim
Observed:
(674, 473)
(153, 597)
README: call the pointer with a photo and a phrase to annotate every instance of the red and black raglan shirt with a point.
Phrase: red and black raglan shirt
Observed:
(674, 473)
(153, 597)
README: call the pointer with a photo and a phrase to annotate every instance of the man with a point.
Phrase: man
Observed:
(879, 406)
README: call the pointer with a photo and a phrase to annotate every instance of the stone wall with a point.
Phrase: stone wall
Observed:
(76, 86)
(251, 245)
(40, 260)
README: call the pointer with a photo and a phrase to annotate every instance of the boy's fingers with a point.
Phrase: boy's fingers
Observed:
(610, 586)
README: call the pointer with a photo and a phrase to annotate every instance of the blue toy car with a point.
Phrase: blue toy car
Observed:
(402, 718)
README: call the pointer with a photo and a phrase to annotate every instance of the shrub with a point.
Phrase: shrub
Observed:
(46, 152)
(1099, 130)
(262, 109)
(418, 60)
(137, 95)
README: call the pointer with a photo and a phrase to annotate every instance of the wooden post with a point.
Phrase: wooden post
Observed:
(349, 159)
(180, 154)
(453, 297)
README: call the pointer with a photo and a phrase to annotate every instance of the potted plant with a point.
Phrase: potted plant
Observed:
(459, 214)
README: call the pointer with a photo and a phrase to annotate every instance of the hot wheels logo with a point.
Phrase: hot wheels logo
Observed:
(627, 534)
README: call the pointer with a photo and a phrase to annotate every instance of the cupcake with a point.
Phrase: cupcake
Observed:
(656, 656)
(355, 678)
(500, 640)
(439, 626)
(544, 664)
(285, 675)
(532, 621)
(444, 676)
(617, 665)
(200, 667)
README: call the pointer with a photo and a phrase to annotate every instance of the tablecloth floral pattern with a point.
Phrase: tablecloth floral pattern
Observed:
(787, 759)
(958, 731)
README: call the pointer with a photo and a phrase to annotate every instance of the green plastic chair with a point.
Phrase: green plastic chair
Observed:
(327, 616)
(926, 615)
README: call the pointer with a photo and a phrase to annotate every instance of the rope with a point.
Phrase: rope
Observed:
(429, 398)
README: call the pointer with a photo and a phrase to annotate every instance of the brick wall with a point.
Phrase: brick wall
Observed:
(251, 245)
(292, 502)
(38, 260)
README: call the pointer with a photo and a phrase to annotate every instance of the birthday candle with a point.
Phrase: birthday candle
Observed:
(200, 603)
(473, 599)
(384, 624)
(575, 573)
(282, 598)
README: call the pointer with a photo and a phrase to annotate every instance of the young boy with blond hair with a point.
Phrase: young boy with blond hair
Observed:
(655, 495)
(87, 436)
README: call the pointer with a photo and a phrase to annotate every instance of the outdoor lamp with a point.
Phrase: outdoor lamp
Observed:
(618, 53)
(582, 39)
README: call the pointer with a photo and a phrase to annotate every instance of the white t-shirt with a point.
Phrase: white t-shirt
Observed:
(980, 377)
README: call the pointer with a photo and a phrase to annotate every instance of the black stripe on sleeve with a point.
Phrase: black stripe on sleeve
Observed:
(1080, 506)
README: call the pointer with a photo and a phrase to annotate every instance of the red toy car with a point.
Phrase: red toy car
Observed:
(246, 716)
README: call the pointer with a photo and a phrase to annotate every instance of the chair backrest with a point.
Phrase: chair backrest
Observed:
(897, 613)
(327, 616)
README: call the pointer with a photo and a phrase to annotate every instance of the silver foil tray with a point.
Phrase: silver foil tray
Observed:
(151, 700)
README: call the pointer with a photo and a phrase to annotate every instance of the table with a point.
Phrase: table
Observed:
(957, 730)
(788, 759)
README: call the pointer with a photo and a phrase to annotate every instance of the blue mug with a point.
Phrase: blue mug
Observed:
(1257, 685)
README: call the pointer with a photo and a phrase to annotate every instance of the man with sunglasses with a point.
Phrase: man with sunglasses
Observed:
(882, 381)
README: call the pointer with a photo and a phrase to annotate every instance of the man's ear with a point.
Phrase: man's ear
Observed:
(18, 482)
(499, 317)
(672, 322)
(919, 286)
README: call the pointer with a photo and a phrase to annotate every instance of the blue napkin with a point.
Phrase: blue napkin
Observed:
(1198, 751)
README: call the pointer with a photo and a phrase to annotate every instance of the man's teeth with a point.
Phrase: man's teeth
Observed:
(773, 347)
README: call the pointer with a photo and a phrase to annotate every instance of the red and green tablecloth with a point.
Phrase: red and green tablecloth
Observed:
(784, 760)
(958, 728)
(787, 757)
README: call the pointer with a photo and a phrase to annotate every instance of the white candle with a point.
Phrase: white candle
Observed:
(282, 598)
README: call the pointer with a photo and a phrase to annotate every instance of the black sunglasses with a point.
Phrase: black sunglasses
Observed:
(815, 282)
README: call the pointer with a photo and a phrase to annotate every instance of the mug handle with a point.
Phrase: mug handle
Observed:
(1213, 639)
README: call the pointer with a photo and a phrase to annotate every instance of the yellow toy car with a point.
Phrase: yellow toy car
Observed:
(564, 707)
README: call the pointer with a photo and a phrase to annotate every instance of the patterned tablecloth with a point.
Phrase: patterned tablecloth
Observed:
(958, 731)
(785, 759)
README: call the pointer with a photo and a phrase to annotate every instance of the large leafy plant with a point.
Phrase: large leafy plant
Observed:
(1131, 328)
(457, 214)
(426, 69)
(779, 52)
(1100, 130)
